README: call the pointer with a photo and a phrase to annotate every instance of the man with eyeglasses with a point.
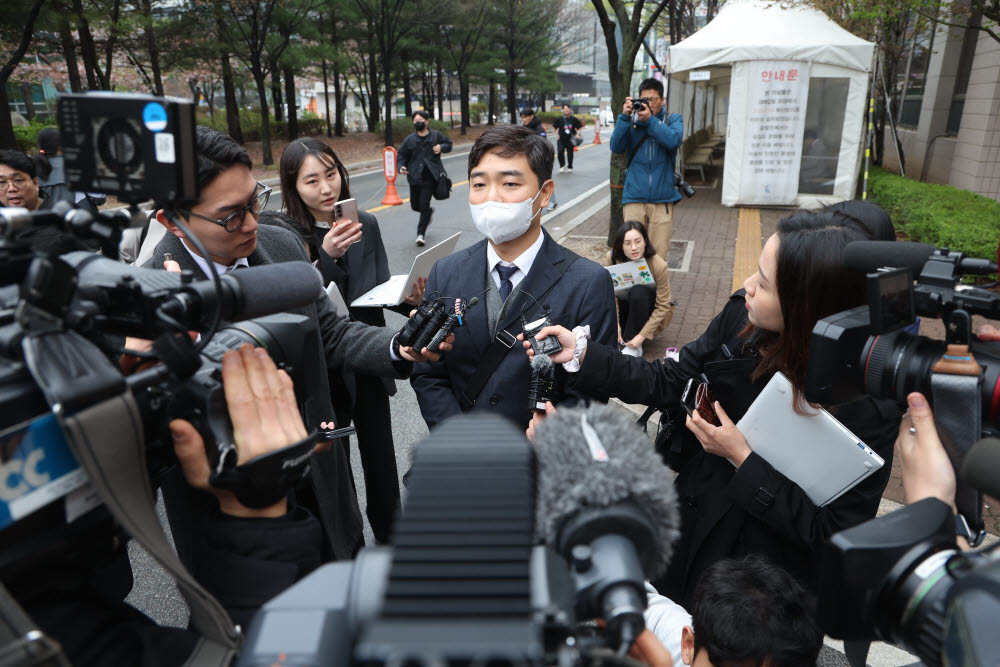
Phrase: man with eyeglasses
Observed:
(224, 218)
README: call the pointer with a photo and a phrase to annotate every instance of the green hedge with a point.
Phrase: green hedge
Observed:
(250, 124)
(27, 137)
(401, 127)
(938, 214)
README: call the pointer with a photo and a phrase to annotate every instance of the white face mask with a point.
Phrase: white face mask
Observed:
(501, 222)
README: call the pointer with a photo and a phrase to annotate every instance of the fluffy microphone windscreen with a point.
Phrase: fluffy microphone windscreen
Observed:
(275, 288)
(574, 476)
(541, 362)
(981, 468)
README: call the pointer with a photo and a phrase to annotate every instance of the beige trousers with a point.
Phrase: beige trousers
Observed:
(659, 221)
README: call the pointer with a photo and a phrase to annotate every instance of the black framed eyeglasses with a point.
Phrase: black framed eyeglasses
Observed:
(234, 220)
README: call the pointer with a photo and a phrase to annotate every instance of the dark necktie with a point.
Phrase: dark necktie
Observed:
(505, 284)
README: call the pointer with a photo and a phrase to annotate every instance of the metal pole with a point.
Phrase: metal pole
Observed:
(871, 130)
(892, 126)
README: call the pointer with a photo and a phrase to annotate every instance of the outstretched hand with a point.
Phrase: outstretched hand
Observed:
(265, 417)
(566, 338)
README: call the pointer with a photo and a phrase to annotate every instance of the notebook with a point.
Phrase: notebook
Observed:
(393, 291)
(627, 275)
(813, 450)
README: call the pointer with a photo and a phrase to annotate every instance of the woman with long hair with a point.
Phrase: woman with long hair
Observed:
(351, 254)
(645, 310)
(732, 501)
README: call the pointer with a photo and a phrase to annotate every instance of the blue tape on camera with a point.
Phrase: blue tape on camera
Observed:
(38, 468)
(154, 117)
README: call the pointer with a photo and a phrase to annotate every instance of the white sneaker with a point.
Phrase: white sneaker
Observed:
(632, 351)
(562, 170)
(569, 169)
(420, 239)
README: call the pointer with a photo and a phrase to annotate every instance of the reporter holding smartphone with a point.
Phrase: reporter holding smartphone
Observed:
(734, 509)
(350, 253)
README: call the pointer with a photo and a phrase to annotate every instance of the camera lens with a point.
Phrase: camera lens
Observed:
(898, 363)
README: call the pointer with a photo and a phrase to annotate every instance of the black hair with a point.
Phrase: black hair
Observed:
(751, 611)
(279, 219)
(527, 112)
(809, 134)
(291, 161)
(511, 140)
(570, 107)
(426, 115)
(617, 254)
(870, 215)
(216, 152)
(18, 161)
(652, 84)
(812, 283)
(48, 146)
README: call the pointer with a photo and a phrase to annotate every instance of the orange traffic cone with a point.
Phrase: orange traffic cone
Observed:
(389, 171)
(391, 196)
(597, 132)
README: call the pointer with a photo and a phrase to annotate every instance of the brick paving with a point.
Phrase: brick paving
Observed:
(702, 290)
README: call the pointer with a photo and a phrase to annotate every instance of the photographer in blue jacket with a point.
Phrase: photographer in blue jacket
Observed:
(650, 139)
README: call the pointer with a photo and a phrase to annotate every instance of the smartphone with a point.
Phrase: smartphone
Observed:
(326, 435)
(697, 395)
(346, 210)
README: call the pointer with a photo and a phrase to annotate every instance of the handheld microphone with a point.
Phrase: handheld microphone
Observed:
(452, 322)
(247, 293)
(607, 504)
(870, 256)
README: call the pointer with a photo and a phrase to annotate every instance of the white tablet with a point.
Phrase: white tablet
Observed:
(814, 450)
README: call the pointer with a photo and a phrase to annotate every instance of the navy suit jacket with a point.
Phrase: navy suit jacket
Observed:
(583, 295)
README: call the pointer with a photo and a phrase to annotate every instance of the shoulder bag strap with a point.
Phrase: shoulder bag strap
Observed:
(502, 344)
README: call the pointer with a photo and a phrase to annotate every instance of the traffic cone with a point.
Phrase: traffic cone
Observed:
(597, 132)
(391, 196)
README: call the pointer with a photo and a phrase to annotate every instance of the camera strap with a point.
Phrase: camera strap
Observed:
(502, 344)
(955, 386)
(22, 644)
(107, 440)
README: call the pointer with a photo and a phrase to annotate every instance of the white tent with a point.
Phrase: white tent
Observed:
(798, 84)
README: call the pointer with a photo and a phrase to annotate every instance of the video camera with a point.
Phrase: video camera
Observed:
(62, 319)
(899, 577)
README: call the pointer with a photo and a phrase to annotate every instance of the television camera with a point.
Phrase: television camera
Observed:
(901, 578)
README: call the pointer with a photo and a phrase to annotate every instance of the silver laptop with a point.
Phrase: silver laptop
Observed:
(393, 291)
(813, 450)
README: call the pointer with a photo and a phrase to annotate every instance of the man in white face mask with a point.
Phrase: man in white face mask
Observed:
(519, 273)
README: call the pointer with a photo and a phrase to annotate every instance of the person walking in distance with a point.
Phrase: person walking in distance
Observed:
(566, 127)
(420, 159)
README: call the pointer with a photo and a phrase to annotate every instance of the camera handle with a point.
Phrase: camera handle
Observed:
(956, 381)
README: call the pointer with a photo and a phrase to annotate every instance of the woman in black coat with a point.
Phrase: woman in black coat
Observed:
(732, 510)
(351, 254)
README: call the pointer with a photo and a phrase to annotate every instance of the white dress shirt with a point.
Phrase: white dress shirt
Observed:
(220, 269)
(523, 261)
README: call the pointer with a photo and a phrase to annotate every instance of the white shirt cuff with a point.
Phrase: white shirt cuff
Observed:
(582, 336)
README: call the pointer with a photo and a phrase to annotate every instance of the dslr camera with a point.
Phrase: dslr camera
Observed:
(900, 578)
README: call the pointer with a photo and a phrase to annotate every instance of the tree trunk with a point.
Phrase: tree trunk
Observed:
(337, 99)
(440, 86)
(511, 95)
(210, 99)
(387, 81)
(407, 92)
(463, 102)
(243, 95)
(29, 106)
(109, 46)
(88, 51)
(232, 108)
(279, 112)
(373, 81)
(7, 138)
(426, 93)
(292, 99)
(153, 48)
(265, 117)
(326, 100)
(491, 106)
(69, 53)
